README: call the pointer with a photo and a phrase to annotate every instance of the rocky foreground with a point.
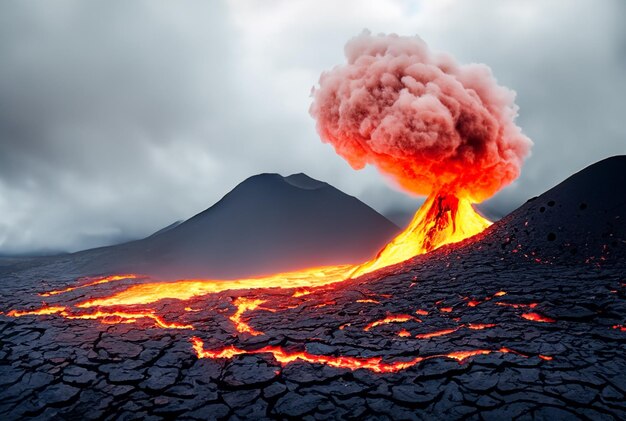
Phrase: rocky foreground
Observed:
(568, 362)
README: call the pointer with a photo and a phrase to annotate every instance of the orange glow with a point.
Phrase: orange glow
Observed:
(545, 357)
(39, 312)
(442, 219)
(463, 355)
(480, 326)
(474, 303)
(185, 289)
(374, 364)
(404, 333)
(396, 318)
(121, 316)
(94, 281)
(621, 328)
(446, 309)
(104, 316)
(436, 333)
(243, 305)
(536, 317)
(531, 305)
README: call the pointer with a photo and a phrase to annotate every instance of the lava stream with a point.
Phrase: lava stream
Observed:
(536, 317)
(396, 318)
(243, 305)
(481, 326)
(185, 289)
(436, 333)
(443, 219)
(92, 282)
(107, 317)
(374, 364)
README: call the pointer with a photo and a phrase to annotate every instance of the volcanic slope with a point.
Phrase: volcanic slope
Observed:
(267, 224)
(582, 219)
(514, 323)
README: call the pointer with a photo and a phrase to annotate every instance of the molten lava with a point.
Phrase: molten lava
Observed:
(536, 317)
(474, 303)
(185, 289)
(44, 311)
(443, 219)
(395, 318)
(436, 333)
(374, 364)
(243, 305)
(91, 282)
(481, 326)
(106, 317)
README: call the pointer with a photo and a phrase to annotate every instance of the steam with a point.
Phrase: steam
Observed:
(420, 117)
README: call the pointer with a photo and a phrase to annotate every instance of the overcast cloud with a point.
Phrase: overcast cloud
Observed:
(120, 117)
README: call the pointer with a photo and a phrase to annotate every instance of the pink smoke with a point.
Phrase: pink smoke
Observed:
(420, 117)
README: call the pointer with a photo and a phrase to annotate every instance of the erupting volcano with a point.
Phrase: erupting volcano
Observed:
(393, 341)
(434, 126)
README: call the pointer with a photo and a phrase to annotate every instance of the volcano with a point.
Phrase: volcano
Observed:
(267, 224)
(526, 319)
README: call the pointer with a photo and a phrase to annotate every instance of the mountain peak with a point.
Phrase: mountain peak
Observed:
(299, 180)
(268, 223)
(303, 181)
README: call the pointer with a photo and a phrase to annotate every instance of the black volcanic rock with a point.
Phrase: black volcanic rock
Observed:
(267, 224)
(581, 219)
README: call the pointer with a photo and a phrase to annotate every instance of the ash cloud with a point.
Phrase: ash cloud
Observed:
(420, 117)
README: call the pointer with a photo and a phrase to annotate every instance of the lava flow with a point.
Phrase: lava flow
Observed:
(374, 364)
(243, 305)
(443, 219)
(91, 282)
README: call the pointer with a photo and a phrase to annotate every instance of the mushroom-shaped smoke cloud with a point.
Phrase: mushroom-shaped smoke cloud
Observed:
(421, 118)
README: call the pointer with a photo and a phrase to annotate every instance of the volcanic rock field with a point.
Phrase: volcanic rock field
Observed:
(524, 321)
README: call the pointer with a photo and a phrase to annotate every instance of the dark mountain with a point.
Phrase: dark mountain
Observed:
(581, 219)
(266, 224)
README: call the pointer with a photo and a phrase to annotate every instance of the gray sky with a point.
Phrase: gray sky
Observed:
(120, 117)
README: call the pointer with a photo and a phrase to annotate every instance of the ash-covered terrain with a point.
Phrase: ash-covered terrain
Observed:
(525, 321)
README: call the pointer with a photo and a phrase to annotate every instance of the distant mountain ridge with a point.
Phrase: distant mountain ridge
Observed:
(266, 224)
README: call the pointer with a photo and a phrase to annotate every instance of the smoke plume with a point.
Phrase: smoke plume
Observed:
(420, 117)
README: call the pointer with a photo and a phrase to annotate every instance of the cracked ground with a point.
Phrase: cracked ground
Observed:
(526, 321)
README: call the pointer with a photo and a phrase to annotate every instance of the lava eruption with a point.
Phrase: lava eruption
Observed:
(435, 127)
